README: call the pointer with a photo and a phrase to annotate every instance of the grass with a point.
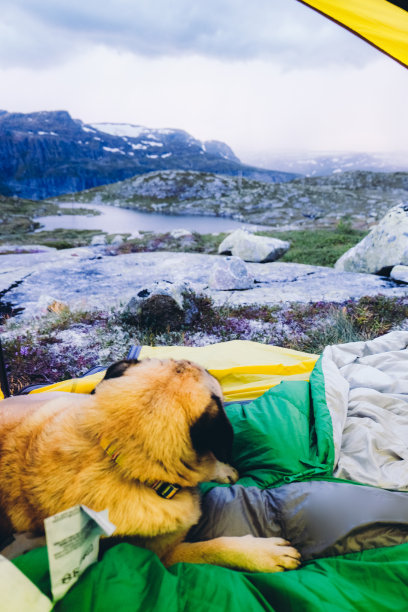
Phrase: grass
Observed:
(66, 344)
(317, 325)
(319, 247)
(61, 238)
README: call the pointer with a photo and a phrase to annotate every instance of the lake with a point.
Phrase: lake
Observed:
(114, 220)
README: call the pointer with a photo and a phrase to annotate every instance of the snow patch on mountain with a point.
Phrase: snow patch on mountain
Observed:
(120, 129)
(113, 150)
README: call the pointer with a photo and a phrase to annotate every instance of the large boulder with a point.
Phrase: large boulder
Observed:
(400, 274)
(163, 305)
(117, 240)
(247, 246)
(229, 274)
(98, 240)
(385, 246)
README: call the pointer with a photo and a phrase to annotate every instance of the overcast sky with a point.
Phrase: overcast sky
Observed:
(261, 75)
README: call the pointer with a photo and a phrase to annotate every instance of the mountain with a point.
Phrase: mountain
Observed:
(363, 197)
(46, 154)
(324, 164)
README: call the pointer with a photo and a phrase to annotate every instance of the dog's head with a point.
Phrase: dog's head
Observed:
(168, 413)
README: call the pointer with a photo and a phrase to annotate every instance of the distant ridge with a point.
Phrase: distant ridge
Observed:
(46, 154)
(314, 163)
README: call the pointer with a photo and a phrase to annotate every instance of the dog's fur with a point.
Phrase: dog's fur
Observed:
(167, 420)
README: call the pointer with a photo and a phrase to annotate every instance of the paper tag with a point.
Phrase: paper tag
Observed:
(18, 593)
(73, 544)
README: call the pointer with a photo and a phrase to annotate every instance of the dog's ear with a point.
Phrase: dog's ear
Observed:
(213, 432)
(117, 369)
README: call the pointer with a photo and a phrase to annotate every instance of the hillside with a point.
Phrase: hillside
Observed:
(46, 154)
(17, 215)
(362, 196)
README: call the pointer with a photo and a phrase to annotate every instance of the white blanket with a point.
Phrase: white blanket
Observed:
(366, 387)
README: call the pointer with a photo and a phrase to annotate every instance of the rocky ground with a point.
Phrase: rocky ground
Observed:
(90, 277)
(65, 311)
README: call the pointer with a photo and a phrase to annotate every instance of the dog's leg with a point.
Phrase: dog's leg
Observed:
(243, 553)
(225, 473)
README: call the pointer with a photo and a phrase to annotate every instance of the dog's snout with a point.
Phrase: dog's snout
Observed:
(213, 432)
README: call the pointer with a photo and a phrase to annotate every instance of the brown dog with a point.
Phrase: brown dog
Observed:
(139, 446)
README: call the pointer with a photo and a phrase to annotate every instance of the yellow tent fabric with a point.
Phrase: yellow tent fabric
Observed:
(244, 369)
(383, 24)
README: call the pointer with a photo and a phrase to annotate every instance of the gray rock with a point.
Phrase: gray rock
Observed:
(99, 240)
(163, 305)
(249, 247)
(385, 246)
(230, 273)
(180, 233)
(117, 240)
(400, 274)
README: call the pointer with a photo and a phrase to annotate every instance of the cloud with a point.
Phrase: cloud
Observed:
(43, 32)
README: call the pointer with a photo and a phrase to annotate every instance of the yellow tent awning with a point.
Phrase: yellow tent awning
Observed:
(383, 24)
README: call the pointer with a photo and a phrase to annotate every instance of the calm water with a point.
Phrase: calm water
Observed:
(122, 220)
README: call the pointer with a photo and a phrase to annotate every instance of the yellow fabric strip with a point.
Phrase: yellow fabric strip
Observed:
(380, 22)
(244, 369)
(74, 385)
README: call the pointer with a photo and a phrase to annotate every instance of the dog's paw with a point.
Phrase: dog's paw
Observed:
(225, 473)
(269, 554)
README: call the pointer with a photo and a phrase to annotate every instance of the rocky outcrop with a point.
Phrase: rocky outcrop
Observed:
(162, 305)
(363, 197)
(46, 154)
(400, 274)
(85, 278)
(25, 248)
(230, 274)
(385, 246)
(249, 247)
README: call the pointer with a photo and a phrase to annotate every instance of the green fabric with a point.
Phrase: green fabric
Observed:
(283, 436)
(130, 579)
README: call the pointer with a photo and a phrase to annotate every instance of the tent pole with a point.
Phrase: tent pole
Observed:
(3, 374)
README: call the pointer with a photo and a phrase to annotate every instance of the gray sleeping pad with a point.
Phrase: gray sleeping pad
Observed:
(319, 518)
